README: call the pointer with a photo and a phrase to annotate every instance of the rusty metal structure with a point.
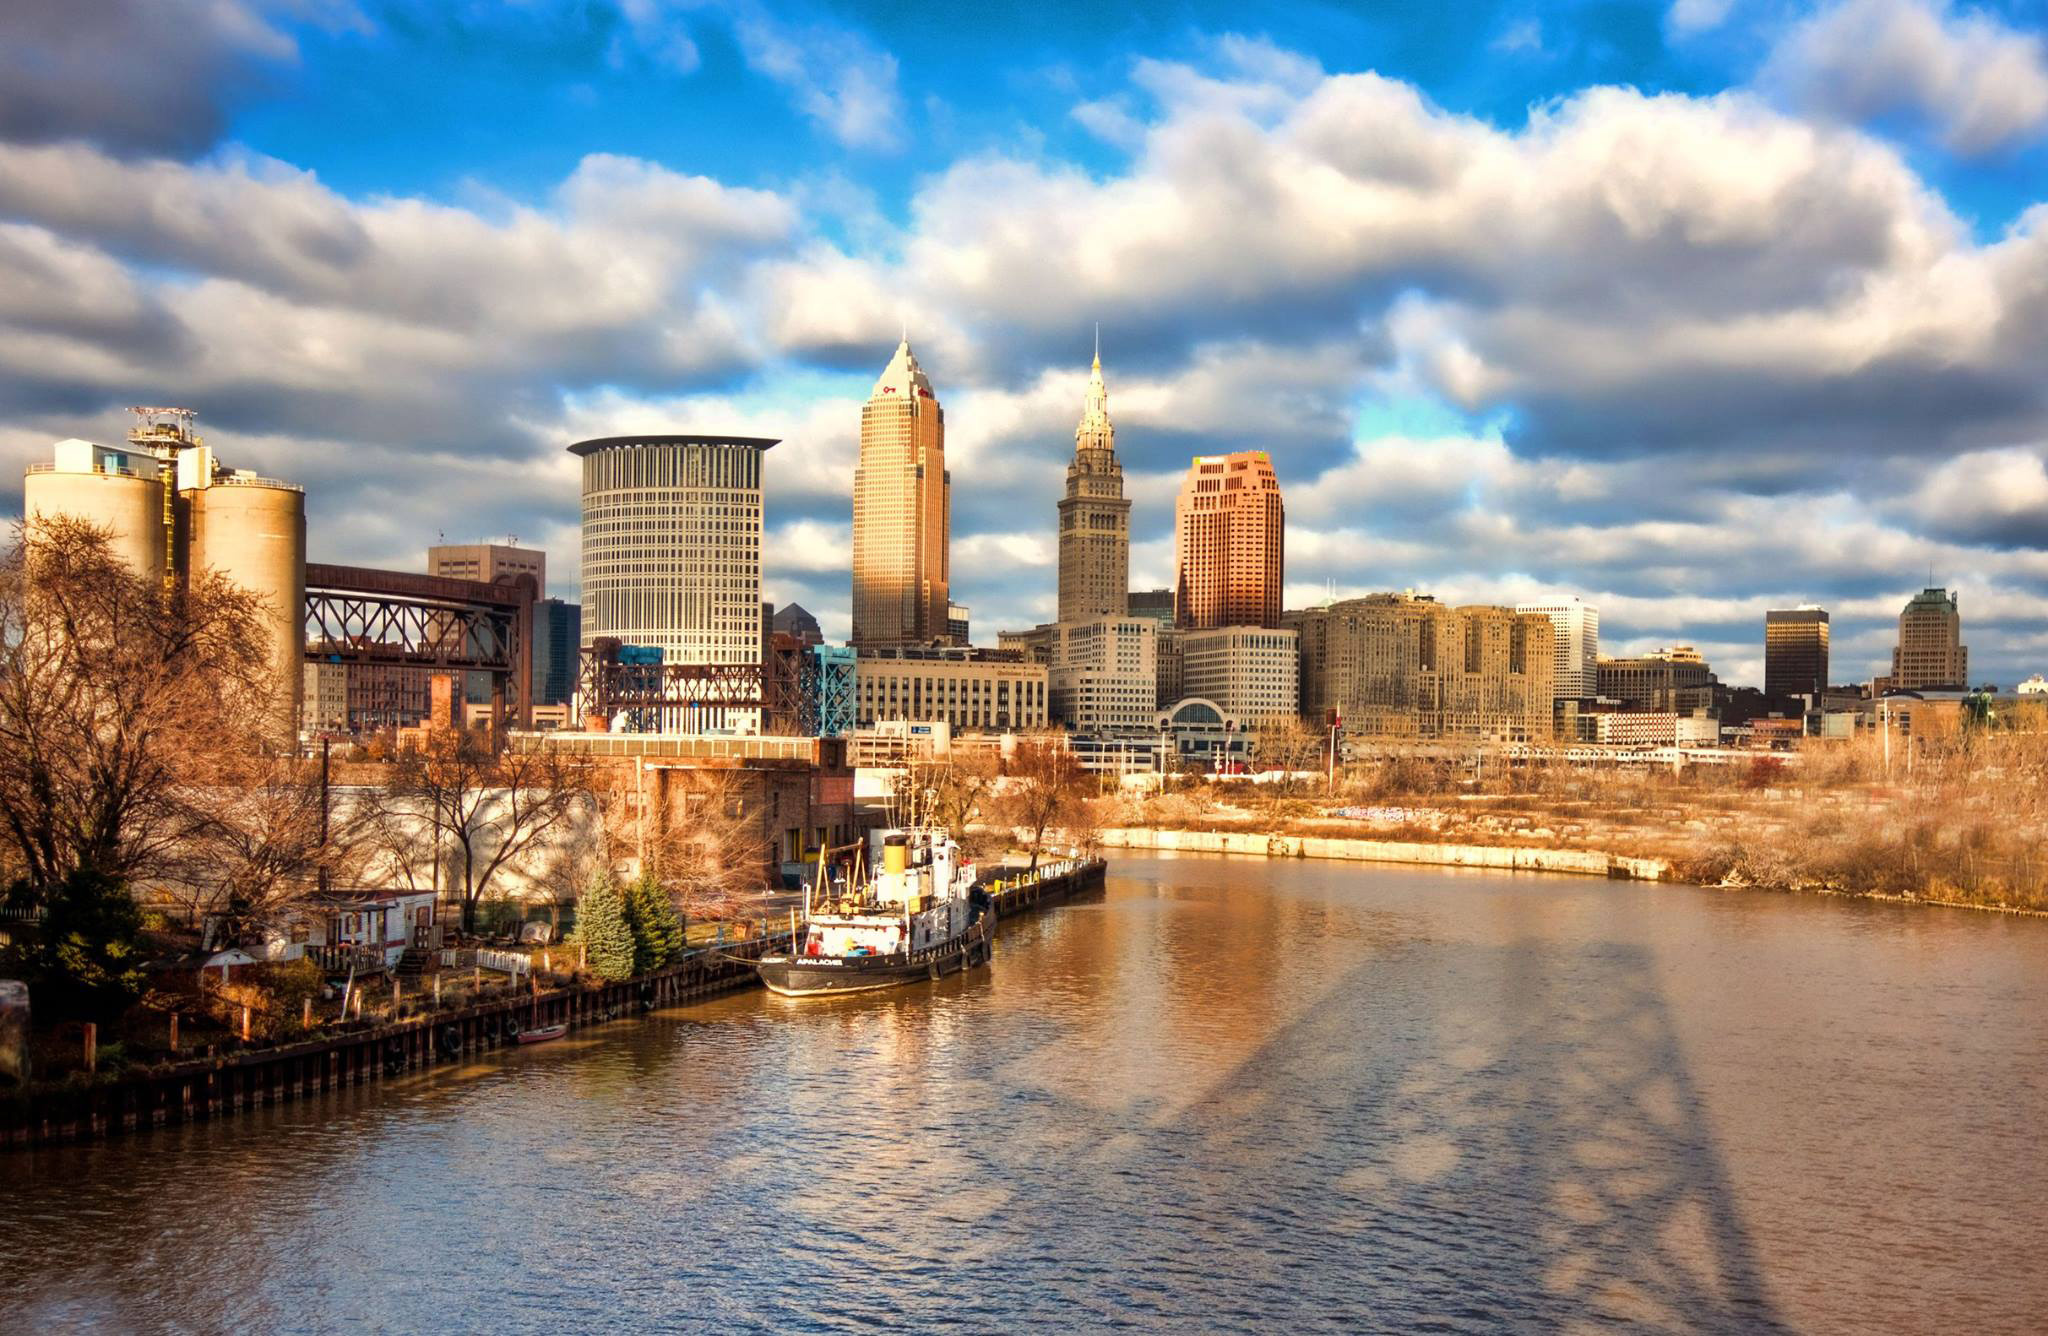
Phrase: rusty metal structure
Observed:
(378, 619)
(628, 689)
(825, 691)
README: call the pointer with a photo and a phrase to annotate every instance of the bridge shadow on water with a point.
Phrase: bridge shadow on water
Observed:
(1453, 1137)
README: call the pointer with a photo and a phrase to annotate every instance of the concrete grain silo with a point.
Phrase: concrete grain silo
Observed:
(118, 490)
(253, 531)
(248, 528)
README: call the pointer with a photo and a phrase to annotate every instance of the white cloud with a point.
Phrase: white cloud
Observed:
(835, 76)
(1998, 496)
(1690, 355)
(1522, 36)
(1982, 83)
(659, 30)
(1692, 16)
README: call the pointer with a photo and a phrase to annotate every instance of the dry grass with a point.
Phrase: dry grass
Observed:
(1960, 818)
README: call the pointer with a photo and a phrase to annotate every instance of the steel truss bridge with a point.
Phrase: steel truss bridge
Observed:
(628, 689)
(398, 620)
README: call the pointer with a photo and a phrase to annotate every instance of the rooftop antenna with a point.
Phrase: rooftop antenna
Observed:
(1098, 343)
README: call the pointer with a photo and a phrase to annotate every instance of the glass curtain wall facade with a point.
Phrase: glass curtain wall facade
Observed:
(1796, 653)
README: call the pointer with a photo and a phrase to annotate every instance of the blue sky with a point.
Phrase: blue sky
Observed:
(1694, 308)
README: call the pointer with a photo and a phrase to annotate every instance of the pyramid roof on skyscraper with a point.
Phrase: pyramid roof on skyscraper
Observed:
(903, 377)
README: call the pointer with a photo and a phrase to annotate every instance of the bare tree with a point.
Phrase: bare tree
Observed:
(1288, 743)
(689, 830)
(959, 790)
(456, 803)
(116, 698)
(260, 834)
(1048, 789)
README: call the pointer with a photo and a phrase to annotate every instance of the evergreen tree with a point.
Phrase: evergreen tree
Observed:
(657, 929)
(86, 958)
(603, 928)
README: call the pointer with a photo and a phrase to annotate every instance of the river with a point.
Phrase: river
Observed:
(1224, 1095)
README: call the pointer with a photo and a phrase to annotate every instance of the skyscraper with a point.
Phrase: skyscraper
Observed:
(902, 511)
(672, 544)
(1095, 516)
(1930, 652)
(1796, 652)
(1575, 644)
(1229, 539)
(557, 633)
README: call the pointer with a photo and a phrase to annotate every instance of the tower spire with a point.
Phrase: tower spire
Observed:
(1098, 345)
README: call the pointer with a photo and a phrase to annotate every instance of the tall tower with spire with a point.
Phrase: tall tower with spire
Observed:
(1095, 516)
(902, 511)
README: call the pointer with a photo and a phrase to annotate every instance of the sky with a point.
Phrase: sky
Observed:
(1693, 308)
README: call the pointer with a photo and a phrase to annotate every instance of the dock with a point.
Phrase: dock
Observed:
(203, 1089)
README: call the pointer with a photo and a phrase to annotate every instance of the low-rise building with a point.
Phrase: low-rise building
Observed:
(1250, 672)
(972, 690)
(1201, 733)
(765, 801)
(1675, 681)
(1102, 675)
(1643, 728)
(2036, 685)
(325, 708)
(365, 930)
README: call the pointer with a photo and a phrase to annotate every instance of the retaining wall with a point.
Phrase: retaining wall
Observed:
(1510, 858)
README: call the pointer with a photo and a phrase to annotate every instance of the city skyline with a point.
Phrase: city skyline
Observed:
(1485, 411)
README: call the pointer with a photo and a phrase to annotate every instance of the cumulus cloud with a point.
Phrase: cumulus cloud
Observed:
(1989, 496)
(141, 76)
(1692, 356)
(1983, 84)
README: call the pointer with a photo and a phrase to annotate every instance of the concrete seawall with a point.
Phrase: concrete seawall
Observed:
(1584, 862)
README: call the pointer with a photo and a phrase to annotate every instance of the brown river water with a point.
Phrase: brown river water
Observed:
(1223, 1095)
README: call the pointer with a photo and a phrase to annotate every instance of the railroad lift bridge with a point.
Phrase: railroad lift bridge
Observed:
(396, 619)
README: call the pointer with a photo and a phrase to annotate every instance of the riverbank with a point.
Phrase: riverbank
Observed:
(1502, 858)
(219, 1086)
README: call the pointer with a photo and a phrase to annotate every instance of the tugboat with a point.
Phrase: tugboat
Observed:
(919, 917)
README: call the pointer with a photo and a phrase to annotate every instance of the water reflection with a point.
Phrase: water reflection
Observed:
(1226, 1096)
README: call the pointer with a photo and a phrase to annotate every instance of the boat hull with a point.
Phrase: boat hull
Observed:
(542, 1034)
(821, 976)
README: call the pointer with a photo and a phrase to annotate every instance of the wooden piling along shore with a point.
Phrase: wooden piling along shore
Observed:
(208, 1088)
